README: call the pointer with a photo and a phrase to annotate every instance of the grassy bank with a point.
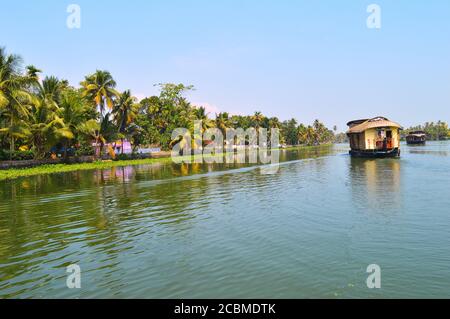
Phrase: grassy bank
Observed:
(63, 168)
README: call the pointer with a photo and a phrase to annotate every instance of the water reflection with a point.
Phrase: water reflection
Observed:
(96, 217)
(228, 230)
(429, 152)
(376, 183)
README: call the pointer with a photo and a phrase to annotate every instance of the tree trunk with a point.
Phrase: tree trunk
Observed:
(65, 150)
(101, 149)
(97, 150)
(11, 146)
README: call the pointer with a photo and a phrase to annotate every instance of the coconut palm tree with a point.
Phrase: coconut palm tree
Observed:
(14, 98)
(108, 130)
(239, 121)
(257, 120)
(44, 122)
(46, 126)
(274, 122)
(101, 132)
(33, 73)
(74, 110)
(91, 130)
(51, 89)
(124, 111)
(100, 88)
(223, 122)
(323, 134)
(200, 114)
(311, 136)
(302, 134)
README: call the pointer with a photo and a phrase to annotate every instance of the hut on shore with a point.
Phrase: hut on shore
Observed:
(376, 137)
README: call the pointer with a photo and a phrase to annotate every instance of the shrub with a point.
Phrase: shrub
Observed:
(16, 155)
(85, 150)
(123, 157)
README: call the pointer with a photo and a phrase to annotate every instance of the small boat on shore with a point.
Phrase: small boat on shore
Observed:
(416, 138)
(377, 137)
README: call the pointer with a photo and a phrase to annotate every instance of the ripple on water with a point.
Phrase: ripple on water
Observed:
(310, 230)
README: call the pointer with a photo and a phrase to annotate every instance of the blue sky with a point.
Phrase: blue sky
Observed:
(303, 59)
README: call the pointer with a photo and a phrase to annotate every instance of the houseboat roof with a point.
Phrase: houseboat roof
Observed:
(360, 126)
(418, 133)
(356, 122)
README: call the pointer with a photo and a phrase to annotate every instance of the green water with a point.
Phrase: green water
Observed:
(205, 231)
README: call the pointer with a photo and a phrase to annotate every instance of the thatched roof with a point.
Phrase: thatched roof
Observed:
(360, 126)
(417, 133)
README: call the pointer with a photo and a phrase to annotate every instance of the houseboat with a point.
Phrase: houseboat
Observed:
(416, 138)
(377, 137)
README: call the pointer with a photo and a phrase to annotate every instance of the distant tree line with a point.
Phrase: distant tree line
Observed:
(435, 131)
(40, 115)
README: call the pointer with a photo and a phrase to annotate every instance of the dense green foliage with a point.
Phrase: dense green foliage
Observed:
(6, 155)
(41, 116)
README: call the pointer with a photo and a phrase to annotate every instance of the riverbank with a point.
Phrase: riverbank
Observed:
(45, 169)
(14, 173)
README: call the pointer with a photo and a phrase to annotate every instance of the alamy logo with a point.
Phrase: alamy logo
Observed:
(74, 278)
(242, 146)
(74, 19)
(374, 19)
(374, 279)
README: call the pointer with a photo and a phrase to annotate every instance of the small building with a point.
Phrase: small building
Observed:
(377, 137)
(416, 138)
(126, 148)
